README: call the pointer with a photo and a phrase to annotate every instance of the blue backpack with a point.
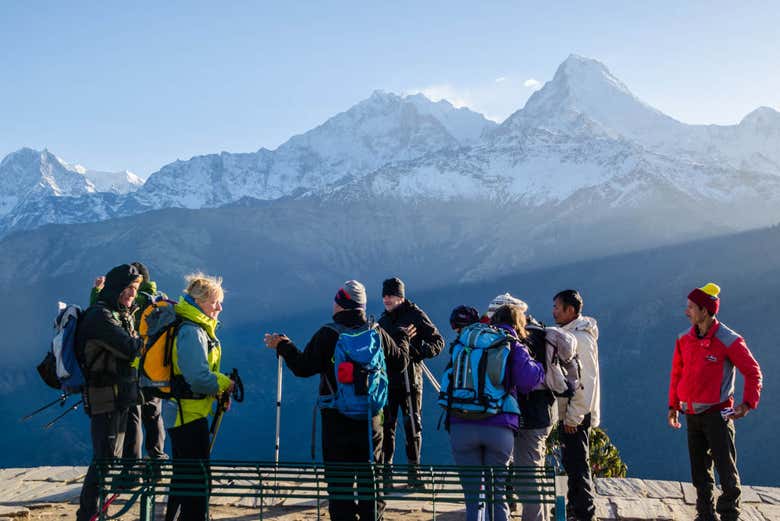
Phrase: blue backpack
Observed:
(60, 369)
(473, 384)
(361, 373)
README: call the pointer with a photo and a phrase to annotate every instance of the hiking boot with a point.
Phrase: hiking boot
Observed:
(414, 481)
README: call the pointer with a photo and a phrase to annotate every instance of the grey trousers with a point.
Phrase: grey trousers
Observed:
(475, 444)
(530, 452)
(108, 435)
(149, 416)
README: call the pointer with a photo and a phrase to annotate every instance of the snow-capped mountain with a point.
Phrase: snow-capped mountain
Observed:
(584, 98)
(381, 129)
(28, 176)
(582, 139)
(122, 182)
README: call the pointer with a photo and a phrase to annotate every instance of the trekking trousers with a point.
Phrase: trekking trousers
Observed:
(108, 433)
(575, 450)
(396, 398)
(530, 448)
(346, 440)
(478, 444)
(188, 441)
(151, 437)
(711, 441)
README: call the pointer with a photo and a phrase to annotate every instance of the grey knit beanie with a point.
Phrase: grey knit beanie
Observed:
(351, 295)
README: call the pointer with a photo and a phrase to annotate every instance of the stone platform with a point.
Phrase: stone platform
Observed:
(49, 493)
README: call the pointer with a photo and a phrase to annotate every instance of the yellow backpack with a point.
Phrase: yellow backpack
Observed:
(158, 327)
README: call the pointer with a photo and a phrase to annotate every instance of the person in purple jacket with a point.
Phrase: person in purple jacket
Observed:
(490, 441)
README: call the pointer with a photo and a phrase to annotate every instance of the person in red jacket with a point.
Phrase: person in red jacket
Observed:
(702, 387)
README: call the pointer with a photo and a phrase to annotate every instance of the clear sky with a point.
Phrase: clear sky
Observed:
(135, 85)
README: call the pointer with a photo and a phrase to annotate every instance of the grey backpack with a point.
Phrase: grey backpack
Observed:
(562, 373)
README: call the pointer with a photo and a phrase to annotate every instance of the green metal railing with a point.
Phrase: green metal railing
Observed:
(268, 483)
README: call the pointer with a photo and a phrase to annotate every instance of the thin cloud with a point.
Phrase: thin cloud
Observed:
(501, 79)
(532, 83)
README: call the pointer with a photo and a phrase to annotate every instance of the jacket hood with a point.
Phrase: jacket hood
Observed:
(509, 329)
(585, 324)
(117, 280)
(350, 317)
(192, 313)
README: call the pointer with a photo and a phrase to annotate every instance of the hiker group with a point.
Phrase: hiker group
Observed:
(498, 394)
(142, 361)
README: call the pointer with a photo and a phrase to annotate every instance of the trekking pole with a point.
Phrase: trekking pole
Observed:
(58, 418)
(60, 400)
(427, 372)
(238, 396)
(278, 405)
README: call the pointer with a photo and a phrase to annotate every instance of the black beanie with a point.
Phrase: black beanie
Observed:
(394, 287)
(116, 281)
(142, 269)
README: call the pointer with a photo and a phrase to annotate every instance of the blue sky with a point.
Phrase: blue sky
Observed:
(139, 84)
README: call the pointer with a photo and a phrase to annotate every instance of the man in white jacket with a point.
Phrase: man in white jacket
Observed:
(581, 412)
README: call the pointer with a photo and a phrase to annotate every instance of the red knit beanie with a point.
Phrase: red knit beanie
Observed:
(707, 297)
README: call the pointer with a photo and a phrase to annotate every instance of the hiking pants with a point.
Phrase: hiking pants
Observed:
(478, 444)
(345, 440)
(153, 434)
(711, 440)
(189, 441)
(530, 449)
(397, 398)
(108, 433)
(575, 450)
(133, 434)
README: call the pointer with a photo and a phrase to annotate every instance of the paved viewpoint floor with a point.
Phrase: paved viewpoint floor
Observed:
(51, 493)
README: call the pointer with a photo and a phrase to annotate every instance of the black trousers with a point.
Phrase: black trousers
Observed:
(189, 441)
(149, 416)
(575, 450)
(711, 441)
(108, 432)
(396, 399)
(345, 440)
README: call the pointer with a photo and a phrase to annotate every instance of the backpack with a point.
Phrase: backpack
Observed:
(60, 369)
(473, 383)
(158, 328)
(561, 364)
(360, 371)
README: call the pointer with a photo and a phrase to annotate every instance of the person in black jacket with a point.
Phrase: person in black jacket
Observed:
(106, 344)
(149, 414)
(403, 318)
(343, 439)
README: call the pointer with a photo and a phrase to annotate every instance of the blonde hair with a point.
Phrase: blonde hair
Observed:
(201, 286)
(511, 316)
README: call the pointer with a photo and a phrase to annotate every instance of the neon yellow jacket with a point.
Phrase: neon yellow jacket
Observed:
(196, 357)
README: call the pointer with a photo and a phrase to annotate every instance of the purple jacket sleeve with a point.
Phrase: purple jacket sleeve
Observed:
(525, 373)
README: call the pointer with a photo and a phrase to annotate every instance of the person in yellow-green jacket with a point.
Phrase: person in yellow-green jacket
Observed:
(197, 382)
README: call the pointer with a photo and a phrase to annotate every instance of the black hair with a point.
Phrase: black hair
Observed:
(570, 297)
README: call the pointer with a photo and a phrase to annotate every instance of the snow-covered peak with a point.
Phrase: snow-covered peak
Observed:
(585, 97)
(762, 118)
(464, 124)
(29, 173)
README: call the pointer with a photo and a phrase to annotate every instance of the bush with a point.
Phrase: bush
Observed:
(605, 461)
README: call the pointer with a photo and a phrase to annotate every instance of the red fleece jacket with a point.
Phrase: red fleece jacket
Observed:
(703, 370)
